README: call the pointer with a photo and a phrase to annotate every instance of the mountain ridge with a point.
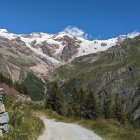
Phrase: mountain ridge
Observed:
(59, 42)
(25, 56)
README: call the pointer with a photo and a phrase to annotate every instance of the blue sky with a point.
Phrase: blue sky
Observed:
(97, 18)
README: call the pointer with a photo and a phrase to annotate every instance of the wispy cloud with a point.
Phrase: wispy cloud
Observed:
(75, 31)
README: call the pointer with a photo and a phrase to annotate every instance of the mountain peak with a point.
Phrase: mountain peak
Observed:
(64, 46)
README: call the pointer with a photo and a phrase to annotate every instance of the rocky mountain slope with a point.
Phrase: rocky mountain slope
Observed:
(31, 58)
(111, 75)
(39, 52)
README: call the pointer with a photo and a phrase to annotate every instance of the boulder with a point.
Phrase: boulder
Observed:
(4, 118)
(2, 108)
(5, 128)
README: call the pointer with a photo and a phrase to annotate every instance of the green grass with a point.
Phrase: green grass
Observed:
(24, 124)
(107, 129)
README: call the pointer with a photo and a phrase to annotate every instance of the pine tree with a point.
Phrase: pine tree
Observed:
(55, 99)
(75, 102)
(82, 101)
(119, 110)
(60, 103)
(51, 98)
(106, 108)
(91, 106)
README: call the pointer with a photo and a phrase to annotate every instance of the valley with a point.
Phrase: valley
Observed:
(92, 84)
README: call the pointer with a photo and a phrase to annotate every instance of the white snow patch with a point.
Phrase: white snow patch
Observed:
(89, 47)
(86, 46)
(5, 34)
(133, 34)
(38, 51)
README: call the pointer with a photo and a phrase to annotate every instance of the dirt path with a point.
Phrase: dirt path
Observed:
(65, 131)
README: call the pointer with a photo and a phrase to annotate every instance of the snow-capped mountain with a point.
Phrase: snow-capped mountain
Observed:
(44, 51)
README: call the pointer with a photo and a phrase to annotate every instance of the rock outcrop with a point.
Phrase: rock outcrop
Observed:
(4, 117)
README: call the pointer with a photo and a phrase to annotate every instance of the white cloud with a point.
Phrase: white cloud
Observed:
(74, 31)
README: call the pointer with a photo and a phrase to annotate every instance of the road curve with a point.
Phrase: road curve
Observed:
(65, 131)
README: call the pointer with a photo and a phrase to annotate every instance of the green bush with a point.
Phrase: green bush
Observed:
(24, 125)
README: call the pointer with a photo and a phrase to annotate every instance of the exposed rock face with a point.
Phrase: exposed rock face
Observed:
(103, 44)
(49, 49)
(40, 53)
(16, 57)
(70, 49)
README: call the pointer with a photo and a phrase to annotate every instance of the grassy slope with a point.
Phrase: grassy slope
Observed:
(125, 54)
(107, 129)
(116, 71)
(24, 124)
(85, 68)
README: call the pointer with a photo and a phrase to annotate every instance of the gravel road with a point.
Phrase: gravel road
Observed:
(65, 131)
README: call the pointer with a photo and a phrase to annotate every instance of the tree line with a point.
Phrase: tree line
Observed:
(83, 104)
(20, 87)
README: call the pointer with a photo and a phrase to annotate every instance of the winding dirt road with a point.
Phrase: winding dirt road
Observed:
(65, 131)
